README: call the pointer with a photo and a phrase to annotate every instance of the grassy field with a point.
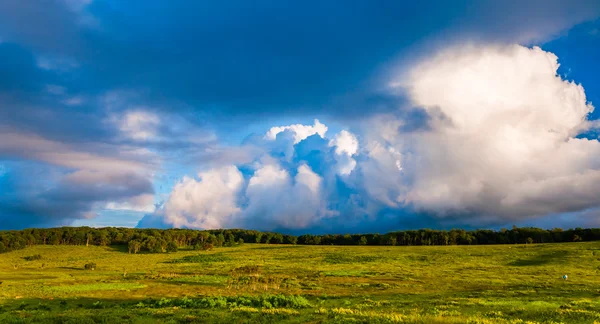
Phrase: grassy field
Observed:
(304, 284)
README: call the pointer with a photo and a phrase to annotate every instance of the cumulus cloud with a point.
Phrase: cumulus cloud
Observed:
(486, 136)
(497, 144)
(300, 131)
(346, 145)
(208, 202)
(278, 201)
(221, 198)
(502, 143)
(278, 193)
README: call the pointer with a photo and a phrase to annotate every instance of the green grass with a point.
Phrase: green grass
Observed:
(202, 258)
(318, 284)
(94, 287)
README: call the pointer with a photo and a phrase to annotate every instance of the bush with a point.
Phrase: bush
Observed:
(202, 258)
(337, 258)
(33, 257)
(265, 301)
(171, 247)
(203, 247)
(90, 266)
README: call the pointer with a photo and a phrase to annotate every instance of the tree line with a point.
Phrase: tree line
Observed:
(169, 240)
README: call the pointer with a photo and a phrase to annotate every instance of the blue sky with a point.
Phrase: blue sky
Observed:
(313, 116)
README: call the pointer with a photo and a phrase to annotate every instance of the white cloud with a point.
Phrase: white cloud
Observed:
(275, 200)
(60, 154)
(382, 180)
(300, 131)
(499, 145)
(141, 203)
(502, 142)
(209, 203)
(139, 125)
(142, 124)
(346, 145)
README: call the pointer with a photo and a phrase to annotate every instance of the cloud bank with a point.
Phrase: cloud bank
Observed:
(500, 146)
(503, 143)
(102, 111)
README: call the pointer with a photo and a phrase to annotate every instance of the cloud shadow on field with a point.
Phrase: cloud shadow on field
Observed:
(542, 259)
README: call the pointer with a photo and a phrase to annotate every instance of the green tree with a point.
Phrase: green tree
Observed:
(391, 239)
(290, 239)
(363, 241)
(134, 246)
(171, 247)
(230, 240)
(102, 239)
(268, 238)
(220, 239)
(277, 239)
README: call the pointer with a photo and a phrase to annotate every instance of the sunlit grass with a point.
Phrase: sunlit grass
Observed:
(338, 284)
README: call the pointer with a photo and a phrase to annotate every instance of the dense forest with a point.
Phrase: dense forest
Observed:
(169, 240)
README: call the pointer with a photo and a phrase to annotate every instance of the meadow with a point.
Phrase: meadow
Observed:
(260, 283)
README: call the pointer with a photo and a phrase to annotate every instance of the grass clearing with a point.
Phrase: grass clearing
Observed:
(202, 258)
(326, 284)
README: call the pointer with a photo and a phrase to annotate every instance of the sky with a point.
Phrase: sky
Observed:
(300, 117)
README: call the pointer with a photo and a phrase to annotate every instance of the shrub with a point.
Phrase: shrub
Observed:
(203, 247)
(171, 247)
(33, 257)
(265, 302)
(337, 258)
(90, 266)
(202, 258)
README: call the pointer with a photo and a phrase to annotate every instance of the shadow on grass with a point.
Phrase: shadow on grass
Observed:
(541, 259)
(119, 248)
(278, 247)
(72, 268)
(125, 249)
(191, 283)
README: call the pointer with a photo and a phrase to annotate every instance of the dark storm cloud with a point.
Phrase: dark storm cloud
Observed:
(263, 57)
(35, 194)
(47, 183)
